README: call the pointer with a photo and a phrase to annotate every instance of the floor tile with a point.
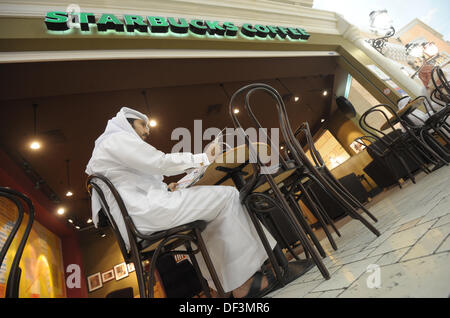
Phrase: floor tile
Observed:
(297, 290)
(442, 209)
(425, 277)
(331, 293)
(445, 246)
(402, 239)
(408, 225)
(346, 275)
(442, 221)
(428, 243)
(392, 257)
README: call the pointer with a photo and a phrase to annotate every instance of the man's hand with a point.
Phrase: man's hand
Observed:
(213, 151)
(173, 186)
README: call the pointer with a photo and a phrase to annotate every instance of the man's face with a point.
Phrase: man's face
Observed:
(140, 126)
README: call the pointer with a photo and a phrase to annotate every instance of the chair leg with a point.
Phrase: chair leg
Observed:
(209, 264)
(194, 262)
(140, 277)
(340, 200)
(403, 163)
(318, 215)
(304, 224)
(265, 220)
(265, 242)
(321, 210)
(291, 217)
(347, 194)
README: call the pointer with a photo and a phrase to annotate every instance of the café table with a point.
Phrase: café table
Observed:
(405, 111)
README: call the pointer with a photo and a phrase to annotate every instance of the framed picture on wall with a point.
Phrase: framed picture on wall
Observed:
(107, 276)
(94, 282)
(121, 271)
(130, 267)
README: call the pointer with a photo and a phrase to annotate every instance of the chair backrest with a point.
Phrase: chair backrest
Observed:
(441, 92)
(12, 286)
(315, 154)
(93, 184)
(376, 132)
(292, 144)
(371, 144)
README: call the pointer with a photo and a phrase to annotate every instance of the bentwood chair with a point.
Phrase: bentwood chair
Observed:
(300, 158)
(150, 246)
(434, 125)
(300, 161)
(322, 168)
(380, 154)
(16, 198)
(441, 93)
(404, 147)
(258, 202)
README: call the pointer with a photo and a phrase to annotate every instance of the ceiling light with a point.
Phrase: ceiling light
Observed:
(70, 220)
(236, 111)
(282, 147)
(103, 235)
(325, 93)
(69, 194)
(35, 145)
(89, 221)
(153, 123)
(296, 99)
(322, 120)
(61, 211)
(77, 227)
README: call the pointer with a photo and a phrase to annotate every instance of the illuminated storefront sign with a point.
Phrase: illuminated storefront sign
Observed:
(59, 21)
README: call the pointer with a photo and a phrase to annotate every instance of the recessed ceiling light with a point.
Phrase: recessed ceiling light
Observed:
(103, 235)
(77, 227)
(322, 120)
(35, 145)
(89, 221)
(296, 99)
(69, 194)
(70, 220)
(153, 123)
(61, 211)
(325, 93)
(236, 111)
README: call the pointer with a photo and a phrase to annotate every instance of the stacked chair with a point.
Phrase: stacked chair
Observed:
(404, 152)
(20, 201)
(381, 155)
(284, 195)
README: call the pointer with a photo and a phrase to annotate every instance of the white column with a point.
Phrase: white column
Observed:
(352, 33)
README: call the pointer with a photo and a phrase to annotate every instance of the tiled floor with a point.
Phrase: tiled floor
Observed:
(411, 258)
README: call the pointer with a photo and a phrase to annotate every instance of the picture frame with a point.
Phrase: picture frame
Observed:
(121, 271)
(130, 267)
(108, 275)
(94, 282)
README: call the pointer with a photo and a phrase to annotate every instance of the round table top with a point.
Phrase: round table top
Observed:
(233, 158)
(409, 107)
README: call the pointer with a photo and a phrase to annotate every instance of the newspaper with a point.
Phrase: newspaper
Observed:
(196, 174)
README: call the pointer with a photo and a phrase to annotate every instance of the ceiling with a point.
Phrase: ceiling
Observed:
(75, 100)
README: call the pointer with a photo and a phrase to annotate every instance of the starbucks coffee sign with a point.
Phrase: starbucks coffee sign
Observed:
(61, 21)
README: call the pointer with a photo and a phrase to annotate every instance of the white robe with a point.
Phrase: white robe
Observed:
(136, 169)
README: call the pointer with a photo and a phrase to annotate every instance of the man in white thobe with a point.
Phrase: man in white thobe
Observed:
(136, 169)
